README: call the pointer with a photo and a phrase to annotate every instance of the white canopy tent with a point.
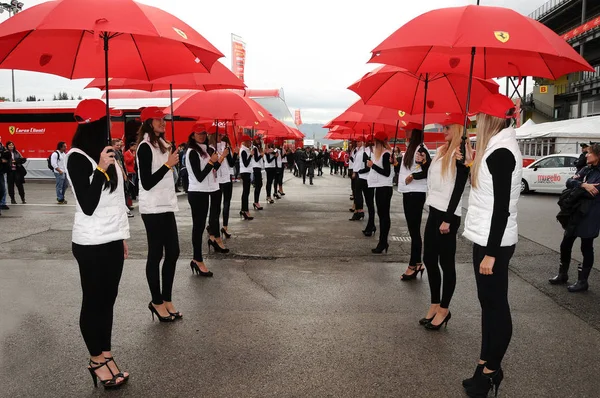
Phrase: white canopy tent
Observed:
(584, 129)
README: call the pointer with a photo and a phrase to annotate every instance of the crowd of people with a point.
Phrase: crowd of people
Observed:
(106, 179)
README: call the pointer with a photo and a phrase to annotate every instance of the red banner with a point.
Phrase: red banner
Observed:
(238, 56)
(298, 118)
(582, 29)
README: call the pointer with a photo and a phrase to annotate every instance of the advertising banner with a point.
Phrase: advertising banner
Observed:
(298, 117)
(238, 56)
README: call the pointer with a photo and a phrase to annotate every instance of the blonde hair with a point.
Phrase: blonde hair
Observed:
(446, 152)
(487, 127)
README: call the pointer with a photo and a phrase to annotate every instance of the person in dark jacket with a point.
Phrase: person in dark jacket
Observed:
(308, 158)
(582, 161)
(15, 174)
(588, 179)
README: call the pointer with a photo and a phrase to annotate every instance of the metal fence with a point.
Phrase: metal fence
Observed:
(546, 8)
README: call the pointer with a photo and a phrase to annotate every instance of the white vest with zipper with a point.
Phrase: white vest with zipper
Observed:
(109, 221)
(225, 171)
(481, 199)
(210, 183)
(162, 197)
(415, 185)
(376, 180)
(440, 188)
(244, 168)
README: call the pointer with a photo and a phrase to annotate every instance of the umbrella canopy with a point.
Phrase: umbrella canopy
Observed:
(394, 87)
(73, 38)
(66, 38)
(220, 105)
(506, 44)
(220, 77)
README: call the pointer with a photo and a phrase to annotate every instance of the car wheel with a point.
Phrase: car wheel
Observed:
(524, 186)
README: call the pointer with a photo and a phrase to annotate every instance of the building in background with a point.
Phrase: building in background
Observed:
(578, 94)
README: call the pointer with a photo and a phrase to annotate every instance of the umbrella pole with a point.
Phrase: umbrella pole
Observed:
(463, 144)
(172, 118)
(106, 79)
(395, 137)
(422, 147)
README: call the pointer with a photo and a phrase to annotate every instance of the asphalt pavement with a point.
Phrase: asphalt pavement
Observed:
(300, 308)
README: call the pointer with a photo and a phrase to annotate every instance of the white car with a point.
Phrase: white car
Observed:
(549, 174)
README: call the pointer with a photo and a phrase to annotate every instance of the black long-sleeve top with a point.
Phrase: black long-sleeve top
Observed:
(200, 173)
(256, 154)
(462, 175)
(501, 164)
(231, 159)
(147, 178)
(421, 175)
(246, 159)
(365, 169)
(269, 157)
(386, 170)
(87, 194)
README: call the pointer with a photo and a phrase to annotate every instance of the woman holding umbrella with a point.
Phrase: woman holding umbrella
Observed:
(157, 205)
(412, 183)
(380, 178)
(445, 210)
(245, 173)
(100, 228)
(495, 179)
(271, 169)
(368, 193)
(257, 164)
(224, 176)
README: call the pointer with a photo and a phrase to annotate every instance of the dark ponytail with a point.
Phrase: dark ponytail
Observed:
(91, 139)
(416, 139)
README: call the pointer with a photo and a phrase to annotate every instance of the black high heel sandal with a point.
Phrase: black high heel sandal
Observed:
(417, 268)
(198, 271)
(431, 326)
(369, 232)
(216, 247)
(160, 318)
(245, 216)
(425, 321)
(107, 384)
(120, 374)
(281, 193)
(270, 201)
(486, 382)
(225, 233)
(357, 217)
(257, 207)
(379, 250)
(276, 195)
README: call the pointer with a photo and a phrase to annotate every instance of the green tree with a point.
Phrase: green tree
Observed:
(31, 98)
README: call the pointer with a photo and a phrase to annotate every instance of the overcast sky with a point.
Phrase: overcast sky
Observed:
(314, 49)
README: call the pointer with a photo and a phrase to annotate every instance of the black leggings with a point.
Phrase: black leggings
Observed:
(245, 190)
(227, 192)
(258, 183)
(100, 268)
(587, 249)
(279, 178)
(369, 194)
(413, 203)
(358, 194)
(271, 178)
(440, 249)
(492, 291)
(161, 231)
(13, 179)
(383, 200)
(199, 204)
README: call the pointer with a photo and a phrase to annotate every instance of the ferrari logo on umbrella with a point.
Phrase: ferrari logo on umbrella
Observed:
(180, 32)
(502, 37)
(401, 113)
(11, 130)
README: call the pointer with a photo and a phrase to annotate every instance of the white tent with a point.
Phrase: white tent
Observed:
(587, 128)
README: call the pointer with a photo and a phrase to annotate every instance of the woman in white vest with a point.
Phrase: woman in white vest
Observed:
(491, 225)
(157, 205)
(357, 191)
(366, 192)
(257, 164)
(245, 173)
(216, 196)
(380, 178)
(351, 155)
(224, 174)
(100, 230)
(270, 162)
(412, 183)
(445, 211)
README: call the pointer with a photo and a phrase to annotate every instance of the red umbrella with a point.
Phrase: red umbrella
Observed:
(506, 43)
(219, 78)
(394, 87)
(66, 38)
(220, 105)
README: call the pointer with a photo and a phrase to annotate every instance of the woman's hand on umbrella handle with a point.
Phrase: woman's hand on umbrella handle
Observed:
(214, 157)
(173, 159)
(107, 158)
(369, 163)
(409, 179)
(419, 157)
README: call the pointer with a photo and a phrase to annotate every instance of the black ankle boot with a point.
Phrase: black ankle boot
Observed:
(562, 277)
(484, 383)
(582, 284)
(471, 381)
